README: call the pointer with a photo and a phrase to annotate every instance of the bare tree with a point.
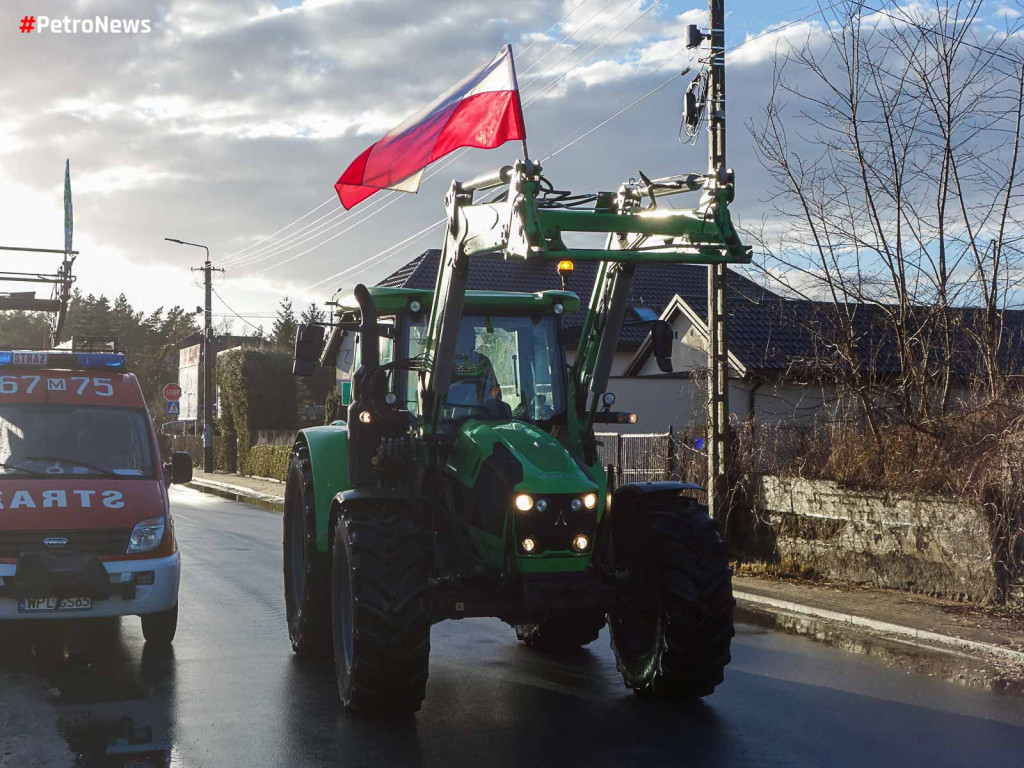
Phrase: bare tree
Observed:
(892, 139)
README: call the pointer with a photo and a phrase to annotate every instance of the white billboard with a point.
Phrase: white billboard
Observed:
(188, 379)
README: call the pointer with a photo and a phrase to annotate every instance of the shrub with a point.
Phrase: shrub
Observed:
(257, 391)
(268, 461)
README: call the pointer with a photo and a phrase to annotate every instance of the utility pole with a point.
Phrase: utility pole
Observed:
(718, 340)
(207, 269)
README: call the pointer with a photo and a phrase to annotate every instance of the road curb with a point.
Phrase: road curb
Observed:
(923, 636)
(238, 493)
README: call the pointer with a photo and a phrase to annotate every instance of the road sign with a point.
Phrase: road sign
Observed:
(172, 392)
(173, 408)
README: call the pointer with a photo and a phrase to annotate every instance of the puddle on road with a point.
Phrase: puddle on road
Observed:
(913, 659)
(112, 700)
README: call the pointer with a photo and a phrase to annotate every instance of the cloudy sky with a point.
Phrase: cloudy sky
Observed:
(231, 119)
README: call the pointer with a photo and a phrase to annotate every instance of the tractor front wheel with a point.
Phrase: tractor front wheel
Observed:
(307, 593)
(672, 629)
(381, 612)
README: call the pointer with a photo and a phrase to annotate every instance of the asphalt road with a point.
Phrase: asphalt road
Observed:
(231, 693)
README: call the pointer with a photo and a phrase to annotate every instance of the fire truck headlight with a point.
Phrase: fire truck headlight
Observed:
(147, 535)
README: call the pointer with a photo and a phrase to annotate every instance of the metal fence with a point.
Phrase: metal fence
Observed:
(645, 458)
(637, 458)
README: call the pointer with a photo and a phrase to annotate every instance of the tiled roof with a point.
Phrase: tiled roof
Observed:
(654, 285)
(776, 335)
(767, 333)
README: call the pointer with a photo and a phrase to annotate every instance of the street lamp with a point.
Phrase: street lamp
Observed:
(194, 245)
(207, 270)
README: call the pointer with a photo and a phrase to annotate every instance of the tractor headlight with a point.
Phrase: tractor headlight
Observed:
(528, 544)
(590, 500)
(541, 505)
(581, 542)
(524, 502)
(576, 505)
(147, 535)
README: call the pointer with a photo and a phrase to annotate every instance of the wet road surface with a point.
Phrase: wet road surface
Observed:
(231, 693)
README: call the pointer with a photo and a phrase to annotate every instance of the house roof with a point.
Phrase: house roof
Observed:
(773, 335)
(654, 285)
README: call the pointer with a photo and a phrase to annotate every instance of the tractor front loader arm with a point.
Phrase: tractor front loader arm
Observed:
(528, 222)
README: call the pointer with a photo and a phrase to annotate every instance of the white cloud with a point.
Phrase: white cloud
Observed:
(233, 118)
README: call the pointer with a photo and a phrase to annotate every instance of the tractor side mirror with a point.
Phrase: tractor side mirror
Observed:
(309, 342)
(661, 342)
(179, 469)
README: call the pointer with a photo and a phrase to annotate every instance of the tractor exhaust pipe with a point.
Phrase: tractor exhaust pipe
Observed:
(369, 341)
(362, 432)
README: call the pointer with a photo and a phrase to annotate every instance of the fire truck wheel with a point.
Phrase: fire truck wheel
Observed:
(307, 592)
(159, 628)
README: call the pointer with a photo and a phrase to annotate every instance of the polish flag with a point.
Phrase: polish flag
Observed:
(482, 111)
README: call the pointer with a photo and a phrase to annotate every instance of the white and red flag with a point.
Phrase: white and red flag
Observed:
(482, 111)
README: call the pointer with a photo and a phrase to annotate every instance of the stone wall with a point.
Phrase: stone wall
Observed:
(896, 540)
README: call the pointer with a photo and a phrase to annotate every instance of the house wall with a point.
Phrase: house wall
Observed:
(771, 403)
(619, 363)
(660, 402)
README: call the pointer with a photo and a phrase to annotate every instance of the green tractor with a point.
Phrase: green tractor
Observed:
(466, 481)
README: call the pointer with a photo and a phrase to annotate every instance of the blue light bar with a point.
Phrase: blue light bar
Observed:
(6, 357)
(109, 360)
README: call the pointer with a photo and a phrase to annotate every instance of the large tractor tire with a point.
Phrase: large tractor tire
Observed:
(307, 585)
(672, 630)
(381, 612)
(562, 633)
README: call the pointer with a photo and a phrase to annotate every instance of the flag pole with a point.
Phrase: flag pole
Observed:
(519, 101)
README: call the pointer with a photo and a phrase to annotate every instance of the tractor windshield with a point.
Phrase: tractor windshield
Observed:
(506, 367)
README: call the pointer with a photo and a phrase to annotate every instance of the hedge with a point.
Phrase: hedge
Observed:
(257, 391)
(268, 461)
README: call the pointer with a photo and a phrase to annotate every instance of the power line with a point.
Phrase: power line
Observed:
(383, 255)
(582, 26)
(377, 256)
(282, 229)
(279, 248)
(381, 202)
(661, 85)
(938, 32)
(596, 50)
(241, 251)
(221, 298)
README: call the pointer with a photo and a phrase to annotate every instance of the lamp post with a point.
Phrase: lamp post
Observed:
(207, 270)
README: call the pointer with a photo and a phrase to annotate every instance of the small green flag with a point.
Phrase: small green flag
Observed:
(69, 224)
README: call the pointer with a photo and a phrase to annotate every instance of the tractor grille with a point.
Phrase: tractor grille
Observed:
(555, 527)
(100, 542)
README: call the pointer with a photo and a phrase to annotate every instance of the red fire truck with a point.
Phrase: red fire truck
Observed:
(85, 526)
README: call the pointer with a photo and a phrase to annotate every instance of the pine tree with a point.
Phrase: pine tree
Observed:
(312, 314)
(282, 334)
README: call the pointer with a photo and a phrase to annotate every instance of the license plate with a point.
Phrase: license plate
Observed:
(54, 604)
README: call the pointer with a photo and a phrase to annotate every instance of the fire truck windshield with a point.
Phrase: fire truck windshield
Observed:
(38, 439)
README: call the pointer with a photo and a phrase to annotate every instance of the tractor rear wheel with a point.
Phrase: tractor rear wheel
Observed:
(307, 586)
(672, 630)
(381, 612)
(562, 633)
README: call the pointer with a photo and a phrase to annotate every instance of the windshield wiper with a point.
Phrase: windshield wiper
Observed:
(75, 462)
(15, 467)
